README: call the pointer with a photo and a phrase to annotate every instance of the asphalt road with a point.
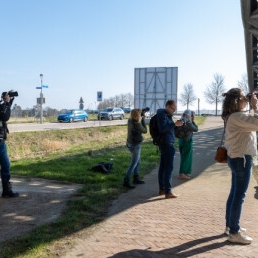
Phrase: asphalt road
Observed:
(29, 127)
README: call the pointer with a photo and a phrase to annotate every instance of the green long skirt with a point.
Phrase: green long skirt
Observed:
(186, 156)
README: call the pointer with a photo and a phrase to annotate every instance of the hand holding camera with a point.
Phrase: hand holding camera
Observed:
(144, 110)
(7, 96)
(179, 122)
(252, 98)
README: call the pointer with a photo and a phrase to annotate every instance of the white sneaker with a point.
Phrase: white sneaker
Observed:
(240, 238)
(243, 230)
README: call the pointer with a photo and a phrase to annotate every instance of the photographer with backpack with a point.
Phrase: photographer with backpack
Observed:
(166, 127)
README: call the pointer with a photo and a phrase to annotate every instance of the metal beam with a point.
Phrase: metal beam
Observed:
(249, 10)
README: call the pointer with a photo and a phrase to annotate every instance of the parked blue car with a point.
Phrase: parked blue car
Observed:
(73, 115)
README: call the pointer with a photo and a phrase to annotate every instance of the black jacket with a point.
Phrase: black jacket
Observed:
(5, 113)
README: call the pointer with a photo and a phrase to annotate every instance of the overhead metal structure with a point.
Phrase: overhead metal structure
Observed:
(249, 10)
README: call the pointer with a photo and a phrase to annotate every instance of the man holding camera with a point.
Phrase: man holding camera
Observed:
(5, 113)
(166, 127)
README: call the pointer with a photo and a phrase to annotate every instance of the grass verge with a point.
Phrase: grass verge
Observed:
(67, 155)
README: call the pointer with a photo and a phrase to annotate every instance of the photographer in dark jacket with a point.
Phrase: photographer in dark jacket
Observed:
(5, 113)
(135, 128)
(166, 127)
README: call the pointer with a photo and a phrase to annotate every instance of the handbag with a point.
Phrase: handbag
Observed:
(222, 153)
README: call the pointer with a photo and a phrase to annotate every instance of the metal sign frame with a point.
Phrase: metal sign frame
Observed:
(153, 86)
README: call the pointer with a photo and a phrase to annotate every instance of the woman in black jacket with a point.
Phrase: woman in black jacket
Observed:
(5, 113)
(136, 127)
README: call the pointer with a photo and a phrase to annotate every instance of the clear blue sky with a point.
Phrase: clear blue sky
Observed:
(85, 46)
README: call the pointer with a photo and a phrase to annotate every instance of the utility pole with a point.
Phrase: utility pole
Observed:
(41, 99)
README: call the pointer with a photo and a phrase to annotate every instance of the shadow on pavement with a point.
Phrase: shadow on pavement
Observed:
(187, 249)
(205, 145)
(204, 150)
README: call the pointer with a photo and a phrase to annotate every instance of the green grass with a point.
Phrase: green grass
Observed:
(68, 155)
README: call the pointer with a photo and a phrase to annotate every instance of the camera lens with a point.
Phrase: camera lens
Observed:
(249, 95)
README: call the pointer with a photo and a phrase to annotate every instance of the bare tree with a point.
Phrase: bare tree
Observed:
(129, 100)
(50, 111)
(16, 111)
(243, 84)
(213, 93)
(122, 100)
(187, 97)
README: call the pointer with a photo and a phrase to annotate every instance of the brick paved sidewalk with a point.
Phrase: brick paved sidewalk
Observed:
(142, 224)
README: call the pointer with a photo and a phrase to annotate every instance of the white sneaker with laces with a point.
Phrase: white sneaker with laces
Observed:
(243, 230)
(240, 238)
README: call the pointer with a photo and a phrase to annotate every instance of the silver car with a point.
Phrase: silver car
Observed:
(111, 113)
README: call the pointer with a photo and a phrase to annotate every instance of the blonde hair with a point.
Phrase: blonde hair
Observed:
(136, 114)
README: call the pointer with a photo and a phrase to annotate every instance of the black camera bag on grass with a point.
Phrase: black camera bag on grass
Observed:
(103, 167)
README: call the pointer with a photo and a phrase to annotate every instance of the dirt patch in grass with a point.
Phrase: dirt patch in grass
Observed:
(40, 201)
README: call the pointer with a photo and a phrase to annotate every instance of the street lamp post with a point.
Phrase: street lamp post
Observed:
(41, 100)
(198, 107)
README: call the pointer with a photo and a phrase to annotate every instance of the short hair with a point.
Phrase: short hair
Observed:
(170, 102)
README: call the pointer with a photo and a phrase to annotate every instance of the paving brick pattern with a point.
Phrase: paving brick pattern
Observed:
(142, 224)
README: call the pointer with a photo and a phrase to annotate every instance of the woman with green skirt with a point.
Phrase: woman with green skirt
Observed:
(186, 145)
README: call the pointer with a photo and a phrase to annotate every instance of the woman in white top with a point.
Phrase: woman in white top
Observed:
(241, 145)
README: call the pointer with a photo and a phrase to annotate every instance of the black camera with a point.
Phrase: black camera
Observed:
(249, 95)
(144, 110)
(10, 93)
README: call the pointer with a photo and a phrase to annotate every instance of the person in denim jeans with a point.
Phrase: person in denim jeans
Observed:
(5, 113)
(166, 127)
(135, 128)
(241, 145)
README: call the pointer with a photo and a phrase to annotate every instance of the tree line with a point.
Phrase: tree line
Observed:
(212, 95)
(213, 92)
(122, 100)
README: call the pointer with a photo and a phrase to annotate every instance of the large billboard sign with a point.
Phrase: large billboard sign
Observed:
(154, 86)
